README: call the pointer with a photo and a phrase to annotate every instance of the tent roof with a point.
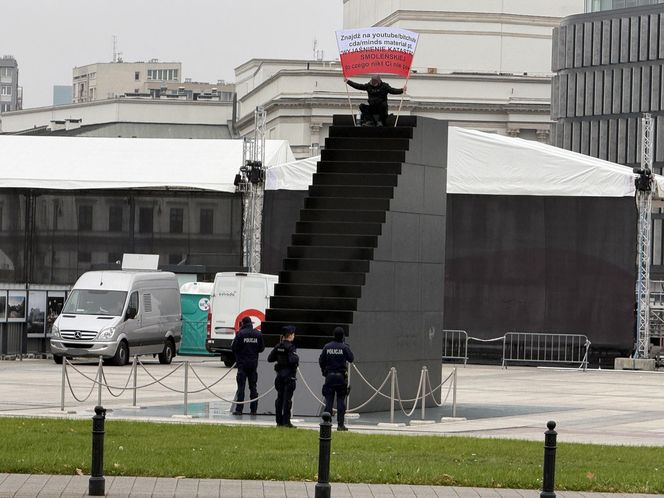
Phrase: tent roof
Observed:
(491, 164)
(478, 163)
(108, 163)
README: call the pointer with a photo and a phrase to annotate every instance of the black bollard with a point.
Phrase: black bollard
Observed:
(323, 488)
(97, 483)
(549, 470)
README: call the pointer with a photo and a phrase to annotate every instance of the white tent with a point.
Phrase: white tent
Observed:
(108, 163)
(478, 163)
(490, 164)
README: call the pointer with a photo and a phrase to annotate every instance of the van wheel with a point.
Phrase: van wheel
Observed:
(121, 355)
(166, 356)
(58, 359)
(229, 362)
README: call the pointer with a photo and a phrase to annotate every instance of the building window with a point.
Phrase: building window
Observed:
(5, 72)
(207, 217)
(6, 90)
(115, 219)
(175, 74)
(137, 75)
(4, 108)
(84, 218)
(177, 220)
(145, 220)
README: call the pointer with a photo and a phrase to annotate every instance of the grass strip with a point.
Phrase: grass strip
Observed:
(56, 446)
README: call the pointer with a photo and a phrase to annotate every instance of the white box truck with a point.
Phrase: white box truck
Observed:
(115, 314)
(234, 296)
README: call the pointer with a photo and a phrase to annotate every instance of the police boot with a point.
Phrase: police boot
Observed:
(342, 428)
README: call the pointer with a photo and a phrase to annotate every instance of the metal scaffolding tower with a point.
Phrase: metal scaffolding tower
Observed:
(250, 181)
(644, 201)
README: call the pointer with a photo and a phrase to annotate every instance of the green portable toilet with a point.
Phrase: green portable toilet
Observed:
(195, 299)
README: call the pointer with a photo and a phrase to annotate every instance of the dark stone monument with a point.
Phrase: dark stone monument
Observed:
(367, 255)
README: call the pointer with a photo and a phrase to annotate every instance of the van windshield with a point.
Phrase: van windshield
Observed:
(95, 302)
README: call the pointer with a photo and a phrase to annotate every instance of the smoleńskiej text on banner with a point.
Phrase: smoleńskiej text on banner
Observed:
(376, 50)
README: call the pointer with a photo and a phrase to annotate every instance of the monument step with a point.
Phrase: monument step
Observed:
(342, 215)
(337, 240)
(363, 155)
(364, 168)
(313, 303)
(351, 191)
(347, 203)
(341, 265)
(317, 290)
(308, 335)
(321, 277)
(364, 143)
(338, 227)
(329, 252)
(355, 179)
(371, 132)
(311, 316)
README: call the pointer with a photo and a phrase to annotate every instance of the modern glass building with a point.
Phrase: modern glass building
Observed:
(608, 71)
(597, 5)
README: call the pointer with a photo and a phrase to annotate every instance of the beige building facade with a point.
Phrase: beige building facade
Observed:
(484, 64)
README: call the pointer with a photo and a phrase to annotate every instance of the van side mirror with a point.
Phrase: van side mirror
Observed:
(131, 313)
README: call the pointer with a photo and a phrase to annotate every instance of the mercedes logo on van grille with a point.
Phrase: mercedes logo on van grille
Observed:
(77, 334)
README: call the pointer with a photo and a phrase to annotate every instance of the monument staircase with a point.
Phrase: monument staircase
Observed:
(338, 230)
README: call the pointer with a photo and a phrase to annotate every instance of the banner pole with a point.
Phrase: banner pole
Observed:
(406, 83)
(350, 104)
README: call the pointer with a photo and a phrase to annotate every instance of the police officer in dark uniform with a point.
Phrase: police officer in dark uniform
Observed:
(287, 360)
(375, 112)
(333, 364)
(246, 346)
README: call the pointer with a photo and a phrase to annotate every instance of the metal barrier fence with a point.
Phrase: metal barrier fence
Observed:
(455, 345)
(100, 383)
(530, 347)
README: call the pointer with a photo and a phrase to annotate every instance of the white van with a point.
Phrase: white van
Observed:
(116, 314)
(236, 295)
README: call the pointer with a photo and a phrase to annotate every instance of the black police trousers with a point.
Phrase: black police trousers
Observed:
(335, 384)
(284, 383)
(243, 375)
(373, 115)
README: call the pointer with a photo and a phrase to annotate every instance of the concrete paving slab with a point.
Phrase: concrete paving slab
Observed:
(32, 486)
(208, 488)
(13, 483)
(165, 486)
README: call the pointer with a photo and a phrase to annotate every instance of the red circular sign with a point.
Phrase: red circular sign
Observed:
(255, 315)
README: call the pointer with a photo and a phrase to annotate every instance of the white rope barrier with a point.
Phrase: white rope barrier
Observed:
(424, 388)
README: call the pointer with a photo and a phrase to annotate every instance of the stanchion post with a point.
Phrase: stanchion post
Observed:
(323, 488)
(186, 387)
(64, 376)
(97, 483)
(454, 386)
(350, 368)
(135, 373)
(392, 393)
(549, 470)
(423, 385)
(99, 379)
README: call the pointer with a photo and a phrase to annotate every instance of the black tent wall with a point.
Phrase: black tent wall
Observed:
(520, 263)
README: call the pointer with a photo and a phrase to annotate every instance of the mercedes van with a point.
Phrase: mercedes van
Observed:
(234, 296)
(120, 313)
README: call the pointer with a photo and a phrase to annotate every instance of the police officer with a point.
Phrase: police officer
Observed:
(287, 360)
(333, 364)
(246, 346)
(374, 113)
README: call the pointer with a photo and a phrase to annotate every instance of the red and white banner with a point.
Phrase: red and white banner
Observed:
(376, 51)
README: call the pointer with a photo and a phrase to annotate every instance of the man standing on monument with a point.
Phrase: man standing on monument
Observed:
(375, 112)
(246, 346)
(333, 363)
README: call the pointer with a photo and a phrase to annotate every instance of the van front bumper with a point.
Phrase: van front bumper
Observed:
(83, 348)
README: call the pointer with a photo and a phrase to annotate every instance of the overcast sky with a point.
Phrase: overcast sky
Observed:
(210, 37)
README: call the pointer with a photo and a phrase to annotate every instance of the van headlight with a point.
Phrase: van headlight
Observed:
(55, 331)
(107, 333)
